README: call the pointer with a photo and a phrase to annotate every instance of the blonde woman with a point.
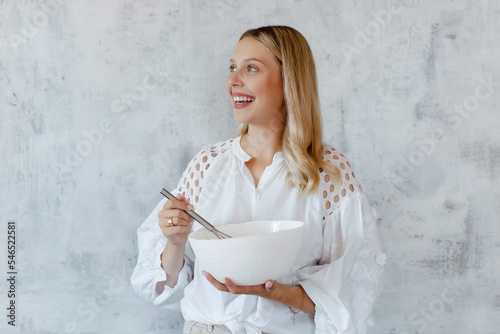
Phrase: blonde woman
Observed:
(276, 168)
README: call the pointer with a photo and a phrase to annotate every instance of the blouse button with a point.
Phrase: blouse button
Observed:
(380, 258)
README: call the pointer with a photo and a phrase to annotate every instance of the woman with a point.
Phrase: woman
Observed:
(277, 168)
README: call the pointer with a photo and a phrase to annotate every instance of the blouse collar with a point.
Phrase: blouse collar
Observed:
(239, 152)
(244, 156)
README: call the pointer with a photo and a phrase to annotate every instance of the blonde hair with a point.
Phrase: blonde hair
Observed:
(302, 140)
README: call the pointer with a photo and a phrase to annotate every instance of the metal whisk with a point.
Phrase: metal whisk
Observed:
(198, 218)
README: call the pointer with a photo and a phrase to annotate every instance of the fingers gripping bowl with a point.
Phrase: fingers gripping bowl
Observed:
(258, 250)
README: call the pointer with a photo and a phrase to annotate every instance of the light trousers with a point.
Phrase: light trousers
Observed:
(192, 327)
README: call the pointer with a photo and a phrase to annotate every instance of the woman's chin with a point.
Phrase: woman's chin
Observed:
(239, 117)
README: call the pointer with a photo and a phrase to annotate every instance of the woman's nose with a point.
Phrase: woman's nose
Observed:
(235, 79)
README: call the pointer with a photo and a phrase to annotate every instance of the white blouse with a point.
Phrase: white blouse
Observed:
(340, 264)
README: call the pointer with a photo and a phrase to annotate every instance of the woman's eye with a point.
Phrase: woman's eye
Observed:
(251, 69)
(232, 68)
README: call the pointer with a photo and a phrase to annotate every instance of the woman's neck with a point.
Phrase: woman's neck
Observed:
(260, 143)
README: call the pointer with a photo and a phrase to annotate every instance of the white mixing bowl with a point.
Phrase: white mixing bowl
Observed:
(258, 250)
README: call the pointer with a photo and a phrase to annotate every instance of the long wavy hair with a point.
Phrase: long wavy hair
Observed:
(302, 140)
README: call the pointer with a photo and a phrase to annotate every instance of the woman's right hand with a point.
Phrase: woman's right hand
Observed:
(174, 222)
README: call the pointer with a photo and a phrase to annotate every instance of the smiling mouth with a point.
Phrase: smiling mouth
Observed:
(241, 100)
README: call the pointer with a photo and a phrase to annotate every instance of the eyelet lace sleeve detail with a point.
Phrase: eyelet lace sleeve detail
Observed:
(191, 182)
(151, 242)
(334, 195)
(348, 278)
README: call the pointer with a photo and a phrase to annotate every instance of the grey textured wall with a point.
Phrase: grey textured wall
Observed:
(104, 102)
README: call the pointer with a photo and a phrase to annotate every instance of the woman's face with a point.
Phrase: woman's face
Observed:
(255, 85)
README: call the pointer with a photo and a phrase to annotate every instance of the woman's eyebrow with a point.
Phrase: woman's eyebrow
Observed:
(247, 60)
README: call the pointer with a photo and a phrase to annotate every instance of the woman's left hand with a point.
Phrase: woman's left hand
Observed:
(290, 295)
(270, 289)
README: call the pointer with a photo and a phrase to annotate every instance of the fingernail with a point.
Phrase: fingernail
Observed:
(269, 285)
(190, 207)
(204, 273)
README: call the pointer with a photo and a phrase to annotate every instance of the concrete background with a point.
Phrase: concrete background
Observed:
(103, 103)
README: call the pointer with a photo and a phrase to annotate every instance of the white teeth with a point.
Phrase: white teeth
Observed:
(243, 99)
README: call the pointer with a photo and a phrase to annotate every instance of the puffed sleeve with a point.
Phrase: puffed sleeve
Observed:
(148, 271)
(348, 278)
(151, 241)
